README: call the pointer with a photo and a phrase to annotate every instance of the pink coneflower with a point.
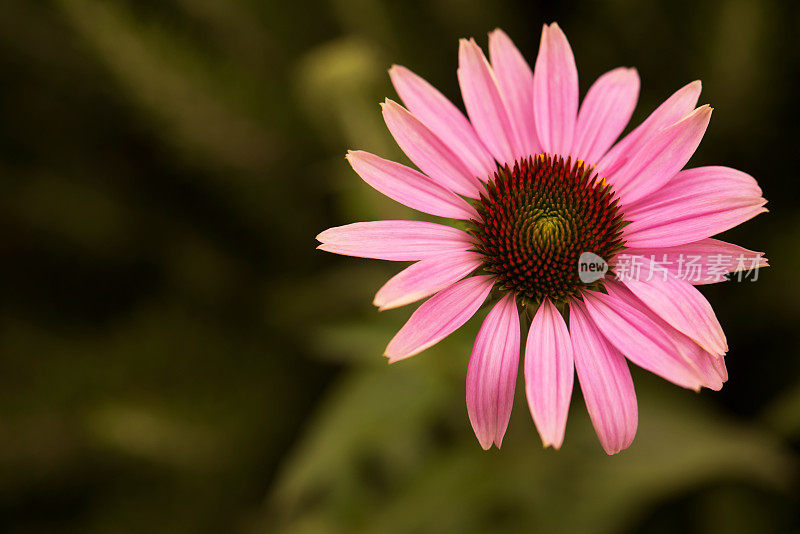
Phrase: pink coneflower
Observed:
(538, 182)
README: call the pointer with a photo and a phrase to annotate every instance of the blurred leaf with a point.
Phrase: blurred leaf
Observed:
(784, 413)
(237, 28)
(339, 85)
(370, 464)
(142, 431)
(165, 76)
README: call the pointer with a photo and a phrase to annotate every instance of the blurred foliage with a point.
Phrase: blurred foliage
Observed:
(177, 357)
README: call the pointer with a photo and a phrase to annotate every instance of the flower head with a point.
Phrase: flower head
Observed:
(539, 182)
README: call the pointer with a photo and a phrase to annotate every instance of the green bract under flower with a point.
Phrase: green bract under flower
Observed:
(538, 218)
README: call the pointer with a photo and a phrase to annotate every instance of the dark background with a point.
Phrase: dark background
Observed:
(175, 356)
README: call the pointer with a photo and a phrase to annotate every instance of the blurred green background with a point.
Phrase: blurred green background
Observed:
(175, 355)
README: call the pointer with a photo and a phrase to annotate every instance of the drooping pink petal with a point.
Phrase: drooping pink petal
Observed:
(711, 367)
(492, 373)
(444, 119)
(605, 381)
(694, 204)
(409, 187)
(713, 374)
(394, 240)
(484, 102)
(702, 262)
(549, 374)
(676, 107)
(516, 84)
(428, 152)
(640, 339)
(661, 157)
(439, 316)
(678, 303)
(425, 278)
(555, 92)
(720, 368)
(604, 113)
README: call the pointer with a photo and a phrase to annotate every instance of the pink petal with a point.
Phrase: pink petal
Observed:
(604, 113)
(702, 262)
(409, 187)
(720, 367)
(444, 120)
(425, 278)
(428, 152)
(676, 107)
(439, 316)
(686, 230)
(695, 204)
(516, 84)
(679, 304)
(640, 339)
(725, 181)
(692, 187)
(713, 374)
(605, 381)
(555, 92)
(492, 373)
(661, 157)
(549, 374)
(711, 367)
(485, 106)
(394, 240)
